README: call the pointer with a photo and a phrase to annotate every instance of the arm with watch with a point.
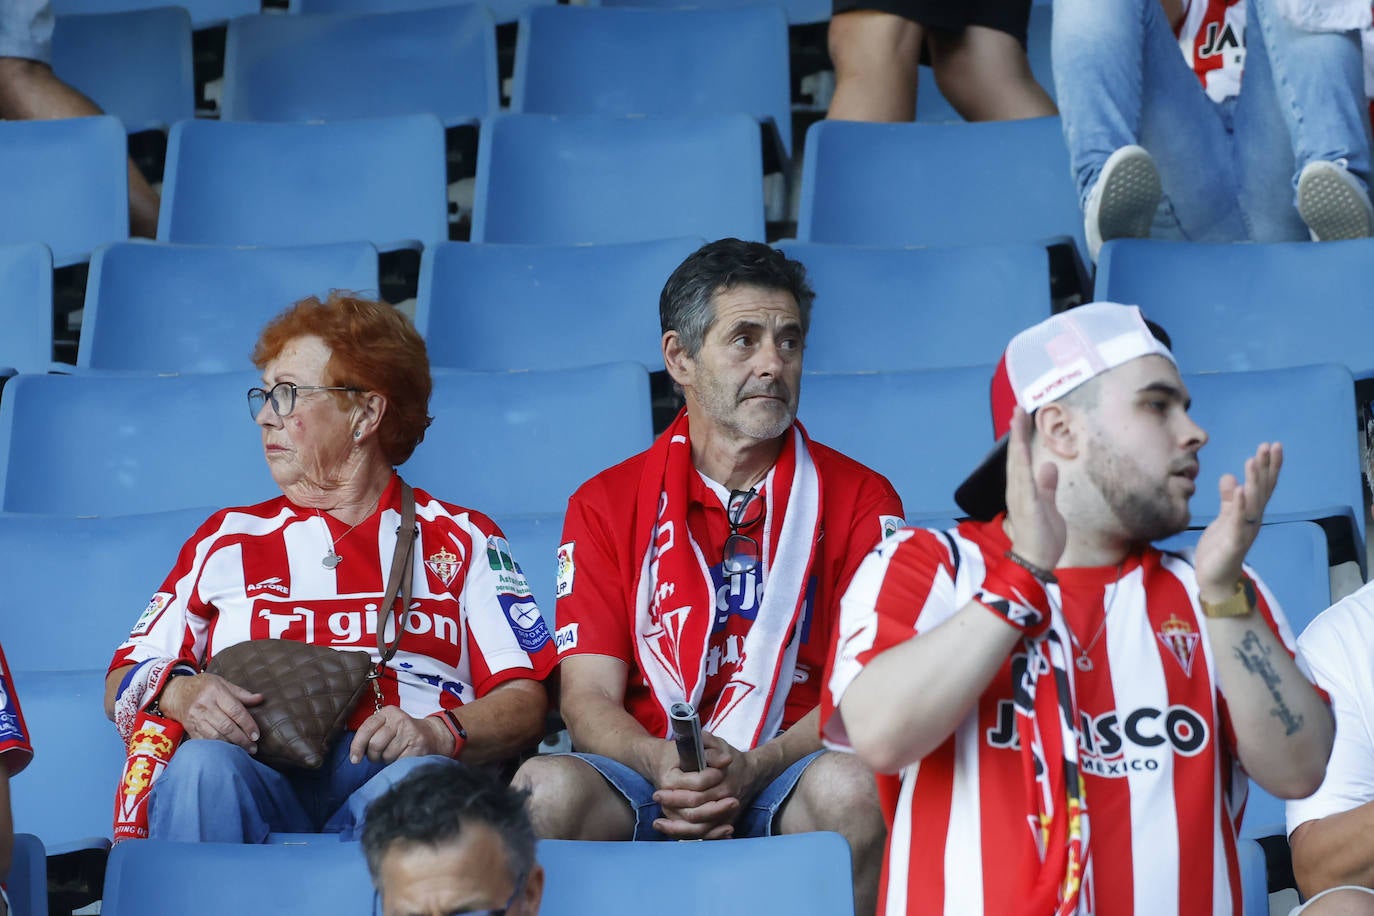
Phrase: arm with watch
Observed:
(1283, 727)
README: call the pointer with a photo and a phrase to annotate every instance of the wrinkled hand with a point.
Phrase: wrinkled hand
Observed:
(208, 706)
(1036, 528)
(1222, 547)
(704, 805)
(390, 734)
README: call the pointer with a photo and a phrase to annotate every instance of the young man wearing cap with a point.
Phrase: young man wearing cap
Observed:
(1043, 668)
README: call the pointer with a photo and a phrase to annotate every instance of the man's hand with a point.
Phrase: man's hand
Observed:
(704, 805)
(1036, 529)
(208, 706)
(1222, 547)
(390, 734)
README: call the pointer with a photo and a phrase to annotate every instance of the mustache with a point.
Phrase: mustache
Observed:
(773, 389)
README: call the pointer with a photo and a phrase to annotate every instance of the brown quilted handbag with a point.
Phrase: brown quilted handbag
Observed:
(309, 692)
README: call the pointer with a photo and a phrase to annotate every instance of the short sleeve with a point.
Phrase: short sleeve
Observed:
(592, 613)
(15, 747)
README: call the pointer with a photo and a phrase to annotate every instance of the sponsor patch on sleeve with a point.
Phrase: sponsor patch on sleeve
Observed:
(151, 613)
(525, 622)
(566, 570)
(891, 525)
(565, 638)
(10, 730)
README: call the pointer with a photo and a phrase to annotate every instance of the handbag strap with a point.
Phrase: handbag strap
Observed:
(399, 580)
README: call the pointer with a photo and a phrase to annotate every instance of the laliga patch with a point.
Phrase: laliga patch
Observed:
(151, 613)
(565, 638)
(566, 570)
(525, 622)
(891, 524)
(444, 565)
(1179, 637)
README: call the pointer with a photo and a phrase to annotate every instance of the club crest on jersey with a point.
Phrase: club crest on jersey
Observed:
(891, 524)
(1179, 637)
(444, 564)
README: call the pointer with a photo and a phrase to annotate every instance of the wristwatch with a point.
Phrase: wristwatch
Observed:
(1239, 604)
(455, 728)
(154, 708)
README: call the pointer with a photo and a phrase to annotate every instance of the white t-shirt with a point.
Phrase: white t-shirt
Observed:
(1336, 652)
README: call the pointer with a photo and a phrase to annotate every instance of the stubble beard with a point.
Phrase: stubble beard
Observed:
(1146, 514)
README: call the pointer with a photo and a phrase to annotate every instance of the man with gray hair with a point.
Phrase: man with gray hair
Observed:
(707, 571)
(451, 839)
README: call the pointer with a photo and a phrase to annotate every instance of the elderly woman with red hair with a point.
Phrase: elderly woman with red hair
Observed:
(345, 390)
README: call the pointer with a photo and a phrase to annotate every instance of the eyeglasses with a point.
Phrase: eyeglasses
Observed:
(283, 396)
(741, 554)
(519, 886)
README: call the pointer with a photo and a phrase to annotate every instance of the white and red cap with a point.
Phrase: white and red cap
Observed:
(1042, 364)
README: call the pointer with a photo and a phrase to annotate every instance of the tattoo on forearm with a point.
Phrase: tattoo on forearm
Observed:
(1254, 655)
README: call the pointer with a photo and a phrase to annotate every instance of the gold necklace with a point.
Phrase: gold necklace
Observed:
(1082, 662)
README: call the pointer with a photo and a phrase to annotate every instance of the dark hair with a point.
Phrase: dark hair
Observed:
(435, 802)
(686, 305)
(372, 346)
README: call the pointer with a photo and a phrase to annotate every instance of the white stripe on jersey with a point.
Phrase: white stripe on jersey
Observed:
(900, 839)
(965, 895)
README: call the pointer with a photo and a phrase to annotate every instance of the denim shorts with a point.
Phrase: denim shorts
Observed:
(755, 821)
(26, 29)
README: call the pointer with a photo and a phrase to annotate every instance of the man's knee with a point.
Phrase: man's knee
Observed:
(836, 792)
(570, 800)
(1341, 901)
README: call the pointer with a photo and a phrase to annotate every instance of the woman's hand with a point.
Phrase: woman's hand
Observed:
(390, 734)
(208, 706)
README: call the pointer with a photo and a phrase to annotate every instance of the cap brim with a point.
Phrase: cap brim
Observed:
(983, 494)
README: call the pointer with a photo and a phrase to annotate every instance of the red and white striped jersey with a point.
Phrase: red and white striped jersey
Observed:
(1164, 790)
(15, 748)
(1212, 39)
(256, 573)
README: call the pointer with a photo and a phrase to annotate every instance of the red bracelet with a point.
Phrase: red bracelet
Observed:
(455, 728)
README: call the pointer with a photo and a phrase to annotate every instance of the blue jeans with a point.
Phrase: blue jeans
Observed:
(755, 821)
(214, 792)
(1229, 169)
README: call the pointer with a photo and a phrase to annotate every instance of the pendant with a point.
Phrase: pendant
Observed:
(1083, 663)
(330, 560)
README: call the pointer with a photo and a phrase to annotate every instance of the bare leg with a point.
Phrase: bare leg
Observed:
(570, 800)
(836, 792)
(986, 77)
(1341, 902)
(876, 56)
(30, 91)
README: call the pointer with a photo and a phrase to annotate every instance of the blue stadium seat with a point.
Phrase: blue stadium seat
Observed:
(938, 184)
(515, 443)
(99, 574)
(129, 444)
(1291, 558)
(799, 12)
(789, 875)
(440, 60)
(1254, 878)
(545, 306)
(204, 13)
(382, 180)
(313, 879)
(534, 541)
(192, 308)
(135, 65)
(504, 11)
(66, 185)
(587, 60)
(27, 881)
(1311, 410)
(26, 307)
(67, 794)
(919, 308)
(1251, 306)
(923, 430)
(546, 179)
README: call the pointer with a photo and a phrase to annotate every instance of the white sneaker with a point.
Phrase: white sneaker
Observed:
(1332, 203)
(1123, 202)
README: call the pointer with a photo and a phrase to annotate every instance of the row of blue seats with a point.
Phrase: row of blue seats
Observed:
(541, 179)
(178, 308)
(443, 60)
(516, 443)
(798, 875)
